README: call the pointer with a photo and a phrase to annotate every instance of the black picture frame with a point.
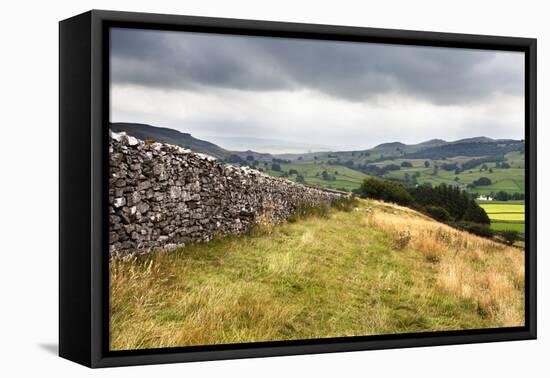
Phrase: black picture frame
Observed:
(83, 137)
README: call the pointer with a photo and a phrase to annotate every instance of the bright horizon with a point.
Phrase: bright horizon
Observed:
(274, 146)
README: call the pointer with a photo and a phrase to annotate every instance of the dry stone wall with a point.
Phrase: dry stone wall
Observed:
(162, 196)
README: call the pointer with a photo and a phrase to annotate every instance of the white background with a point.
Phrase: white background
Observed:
(29, 188)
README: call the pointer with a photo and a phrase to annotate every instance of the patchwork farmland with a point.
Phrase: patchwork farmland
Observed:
(508, 215)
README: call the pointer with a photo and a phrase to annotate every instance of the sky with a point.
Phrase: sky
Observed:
(340, 95)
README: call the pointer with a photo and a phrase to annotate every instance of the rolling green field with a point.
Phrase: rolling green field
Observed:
(345, 178)
(505, 215)
(510, 180)
(503, 226)
(508, 215)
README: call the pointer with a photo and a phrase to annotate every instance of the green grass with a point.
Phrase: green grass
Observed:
(503, 226)
(383, 271)
(516, 159)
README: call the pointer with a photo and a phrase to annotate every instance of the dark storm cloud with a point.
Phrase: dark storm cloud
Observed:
(353, 71)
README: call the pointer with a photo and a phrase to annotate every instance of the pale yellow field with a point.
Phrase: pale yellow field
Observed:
(505, 211)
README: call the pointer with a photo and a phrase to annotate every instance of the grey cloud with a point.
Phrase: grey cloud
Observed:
(352, 71)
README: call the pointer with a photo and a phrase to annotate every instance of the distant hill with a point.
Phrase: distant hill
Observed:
(441, 142)
(468, 147)
(390, 145)
(166, 135)
(430, 149)
(432, 143)
(474, 140)
(185, 140)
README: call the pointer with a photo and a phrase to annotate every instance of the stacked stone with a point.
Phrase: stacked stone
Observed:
(162, 196)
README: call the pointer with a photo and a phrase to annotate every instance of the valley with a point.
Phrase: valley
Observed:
(481, 166)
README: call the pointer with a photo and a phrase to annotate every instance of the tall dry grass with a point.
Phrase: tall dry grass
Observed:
(148, 310)
(490, 274)
(385, 270)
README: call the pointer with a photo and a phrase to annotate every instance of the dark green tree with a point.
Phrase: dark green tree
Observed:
(386, 191)
(474, 213)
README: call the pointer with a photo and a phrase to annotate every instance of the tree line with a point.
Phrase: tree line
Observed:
(443, 202)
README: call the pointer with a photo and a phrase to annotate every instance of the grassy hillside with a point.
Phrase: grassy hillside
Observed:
(387, 270)
(311, 171)
(510, 180)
